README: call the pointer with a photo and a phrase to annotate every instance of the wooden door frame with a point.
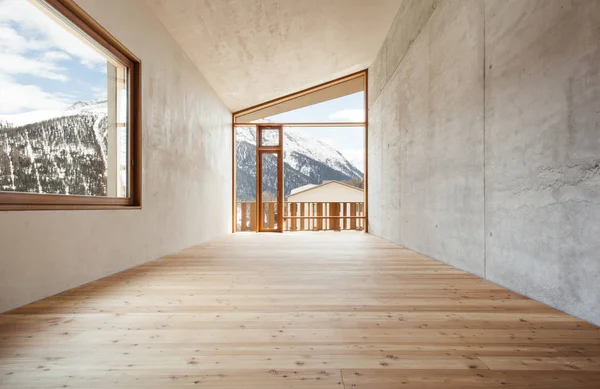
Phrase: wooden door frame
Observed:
(260, 150)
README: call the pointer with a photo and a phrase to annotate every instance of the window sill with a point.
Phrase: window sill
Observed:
(51, 202)
(66, 207)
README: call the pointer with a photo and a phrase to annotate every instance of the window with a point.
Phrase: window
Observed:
(270, 137)
(345, 109)
(321, 133)
(69, 111)
(338, 101)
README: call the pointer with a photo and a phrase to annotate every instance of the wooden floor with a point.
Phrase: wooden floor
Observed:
(296, 310)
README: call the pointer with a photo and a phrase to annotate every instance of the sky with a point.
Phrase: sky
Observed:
(348, 140)
(44, 66)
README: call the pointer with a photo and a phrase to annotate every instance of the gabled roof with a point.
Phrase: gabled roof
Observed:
(302, 188)
(309, 187)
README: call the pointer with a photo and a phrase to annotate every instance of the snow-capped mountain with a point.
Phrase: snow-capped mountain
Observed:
(61, 152)
(65, 152)
(94, 107)
(306, 161)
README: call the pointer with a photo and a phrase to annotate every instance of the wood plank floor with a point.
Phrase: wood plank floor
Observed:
(297, 310)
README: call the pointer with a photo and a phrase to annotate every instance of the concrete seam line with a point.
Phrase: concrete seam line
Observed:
(484, 148)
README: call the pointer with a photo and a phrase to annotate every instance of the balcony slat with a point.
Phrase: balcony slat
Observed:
(253, 216)
(319, 214)
(293, 215)
(334, 214)
(271, 217)
(244, 226)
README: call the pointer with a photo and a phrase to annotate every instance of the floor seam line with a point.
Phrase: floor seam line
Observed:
(482, 362)
(342, 378)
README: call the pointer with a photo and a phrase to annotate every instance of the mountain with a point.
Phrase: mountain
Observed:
(93, 107)
(306, 161)
(62, 152)
(65, 152)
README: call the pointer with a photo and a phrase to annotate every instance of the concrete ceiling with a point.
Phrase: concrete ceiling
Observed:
(252, 51)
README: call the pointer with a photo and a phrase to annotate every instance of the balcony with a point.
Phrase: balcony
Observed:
(303, 216)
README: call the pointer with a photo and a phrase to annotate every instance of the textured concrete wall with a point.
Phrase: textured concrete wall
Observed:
(186, 177)
(542, 135)
(426, 138)
(484, 140)
(248, 49)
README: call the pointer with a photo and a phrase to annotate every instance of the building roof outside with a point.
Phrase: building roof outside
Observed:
(302, 189)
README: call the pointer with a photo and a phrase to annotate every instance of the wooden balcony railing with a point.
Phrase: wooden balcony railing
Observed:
(303, 216)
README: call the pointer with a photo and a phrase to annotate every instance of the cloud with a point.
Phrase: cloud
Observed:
(43, 33)
(15, 97)
(348, 115)
(19, 55)
(99, 93)
(18, 64)
(11, 41)
(32, 43)
(56, 56)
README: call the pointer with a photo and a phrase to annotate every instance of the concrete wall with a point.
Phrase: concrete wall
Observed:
(484, 142)
(186, 177)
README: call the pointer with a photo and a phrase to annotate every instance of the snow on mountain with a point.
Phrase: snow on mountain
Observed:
(94, 108)
(21, 119)
(62, 152)
(306, 161)
(65, 152)
(297, 143)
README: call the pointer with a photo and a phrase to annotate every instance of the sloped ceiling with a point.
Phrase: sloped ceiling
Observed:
(252, 51)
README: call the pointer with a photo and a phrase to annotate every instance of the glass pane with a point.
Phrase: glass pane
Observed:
(345, 109)
(269, 191)
(63, 107)
(245, 177)
(270, 137)
(323, 176)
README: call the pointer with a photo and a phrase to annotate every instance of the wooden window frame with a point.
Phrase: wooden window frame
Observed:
(363, 73)
(278, 151)
(13, 201)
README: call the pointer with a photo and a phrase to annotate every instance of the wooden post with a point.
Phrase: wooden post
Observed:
(243, 225)
(294, 221)
(347, 213)
(334, 210)
(361, 212)
(271, 215)
(302, 205)
(253, 216)
(112, 168)
(353, 214)
(319, 215)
